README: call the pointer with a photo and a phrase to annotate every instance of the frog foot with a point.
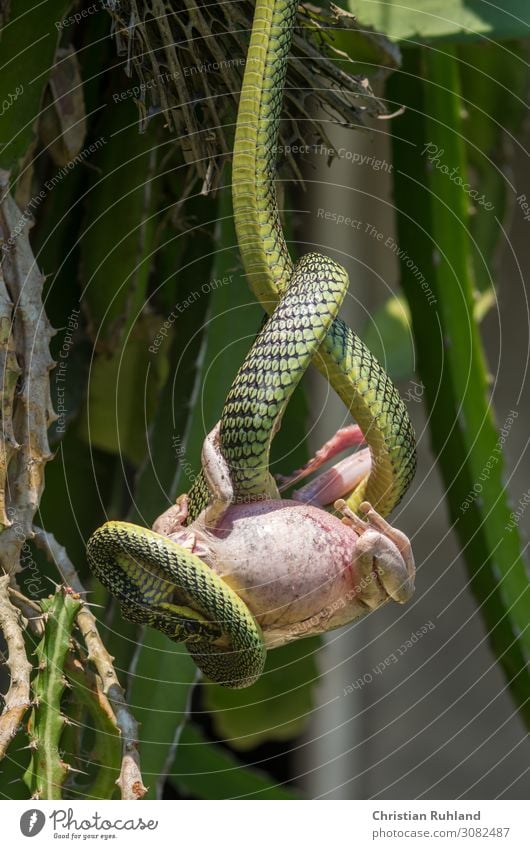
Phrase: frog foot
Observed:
(383, 557)
(172, 519)
(170, 524)
(191, 541)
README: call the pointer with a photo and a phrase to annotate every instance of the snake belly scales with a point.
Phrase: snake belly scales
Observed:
(160, 583)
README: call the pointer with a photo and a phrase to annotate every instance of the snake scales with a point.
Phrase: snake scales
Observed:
(159, 582)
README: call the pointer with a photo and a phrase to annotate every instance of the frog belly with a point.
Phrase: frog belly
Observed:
(292, 564)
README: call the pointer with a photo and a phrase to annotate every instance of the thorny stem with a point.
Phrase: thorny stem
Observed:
(30, 610)
(48, 771)
(130, 778)
(28, 415)
(106, 752)
(17, 699)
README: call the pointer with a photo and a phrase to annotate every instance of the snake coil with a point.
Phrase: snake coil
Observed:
(157, 581)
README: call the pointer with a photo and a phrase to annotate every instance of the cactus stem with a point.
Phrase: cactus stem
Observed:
(46, 773)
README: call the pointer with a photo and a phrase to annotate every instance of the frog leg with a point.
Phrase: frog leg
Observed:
(340, 479)
(337, 481)
(171, 523)
(344, 438)
(217, 473)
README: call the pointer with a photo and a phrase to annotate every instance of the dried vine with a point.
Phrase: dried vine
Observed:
(179, 53)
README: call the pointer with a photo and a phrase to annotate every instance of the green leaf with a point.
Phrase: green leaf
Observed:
(14, 766)
(209, 771)
(78, 484)
(389, 337)
(425, 21)
(55, 238)
(117, 250)
(277, 707)
(158, 695)
(433, 226)
(232, 322)
(27, 51)
(123, 392)
(495, 80)
(119, 227)
(183, 269)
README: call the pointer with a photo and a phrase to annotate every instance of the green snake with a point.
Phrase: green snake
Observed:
(159, 582)
(344, 360)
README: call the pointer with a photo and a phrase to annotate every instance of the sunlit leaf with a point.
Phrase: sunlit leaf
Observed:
(389, 337)
(424, 21)
(433, 223)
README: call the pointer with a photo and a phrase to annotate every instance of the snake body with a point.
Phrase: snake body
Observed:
(157, 581)
(161, 583)
(345, 361)
(272, 370)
